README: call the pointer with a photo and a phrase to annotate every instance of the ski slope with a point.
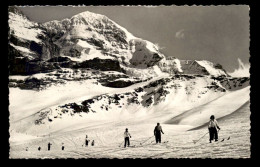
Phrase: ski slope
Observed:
(199, 115)
(108, 135)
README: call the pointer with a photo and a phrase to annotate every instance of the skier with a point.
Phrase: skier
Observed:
(49, 146)
(62, 147)
(92, 143)
(157, 133)
(86, 141)
(127, 135)
(39, 148)
(213, 125)
(26, 149)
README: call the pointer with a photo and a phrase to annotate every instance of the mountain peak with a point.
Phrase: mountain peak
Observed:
(89, 14)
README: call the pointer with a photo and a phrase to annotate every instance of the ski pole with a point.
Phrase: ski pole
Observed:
(145, 140)
(199, 138)
(121, 144)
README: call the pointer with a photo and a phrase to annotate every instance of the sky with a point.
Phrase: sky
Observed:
(216, 33)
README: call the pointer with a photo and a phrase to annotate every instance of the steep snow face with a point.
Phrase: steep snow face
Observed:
(211, 68)
(23, 28)
(202, 67)
(199, 115)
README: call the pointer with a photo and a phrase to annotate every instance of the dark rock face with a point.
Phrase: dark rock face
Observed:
(17, 66)
(24, 67)
(59, 59)
(36, 47)
(18, 42)
(155, 58)
(20, 65)
(96, 42)
(31, 83)
(118, 84)
(17, 63)
(40, 66)
(232, 83)
(50, 49)
(100, 64)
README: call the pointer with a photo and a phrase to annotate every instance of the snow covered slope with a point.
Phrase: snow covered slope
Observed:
(202, 67)
(108, 136)
(199, 115)
(162, 98)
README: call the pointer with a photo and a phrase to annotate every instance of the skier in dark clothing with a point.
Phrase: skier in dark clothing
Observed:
(39, 148)
(127, 135)
(86, 141)
(93, 143)
(62, 147)
(49, 146)
(157, 133)
(213, 126)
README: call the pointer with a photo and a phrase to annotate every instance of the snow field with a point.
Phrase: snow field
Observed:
(109, 135)
(108, 138)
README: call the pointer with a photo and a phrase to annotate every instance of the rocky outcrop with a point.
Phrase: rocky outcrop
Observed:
(100, 64)
(232, 83)
(118, 84)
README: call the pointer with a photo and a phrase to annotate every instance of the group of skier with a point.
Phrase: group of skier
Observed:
(48, 147)
(63, 147)
(87, 141)
(157, 133)
(212, 127)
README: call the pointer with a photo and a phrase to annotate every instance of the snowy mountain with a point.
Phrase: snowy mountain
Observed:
(87, 73)
(88, 37)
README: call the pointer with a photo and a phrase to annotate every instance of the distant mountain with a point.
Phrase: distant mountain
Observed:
(87, 37)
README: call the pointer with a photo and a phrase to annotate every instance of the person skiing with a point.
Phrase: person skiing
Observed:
(213, 126)
(157, 133)
(86, 141)
(49, 146)
(92, 143)
(62, 147)
(39, 148)
(127, 135)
